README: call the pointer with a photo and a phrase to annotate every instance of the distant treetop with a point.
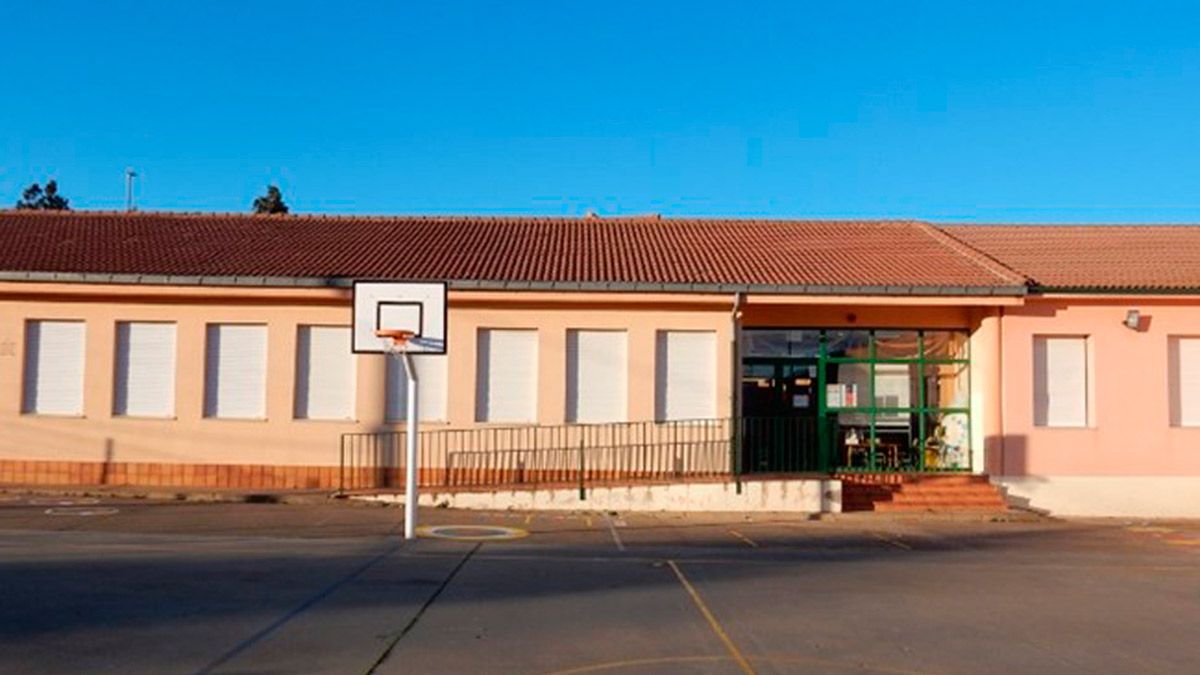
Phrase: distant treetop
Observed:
(270, 203)
(34, 197)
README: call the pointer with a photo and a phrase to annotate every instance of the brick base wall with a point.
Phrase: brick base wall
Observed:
(140, 474)
(277, 477)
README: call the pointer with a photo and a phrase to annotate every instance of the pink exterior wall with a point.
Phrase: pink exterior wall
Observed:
(281, 439)
(1129, 432)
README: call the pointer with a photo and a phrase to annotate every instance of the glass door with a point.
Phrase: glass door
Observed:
(779, 415)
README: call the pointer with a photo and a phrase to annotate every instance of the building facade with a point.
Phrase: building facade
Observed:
(204, 350)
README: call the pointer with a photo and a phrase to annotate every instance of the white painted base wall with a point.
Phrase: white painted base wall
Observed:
(1101, 496)
(801, 496)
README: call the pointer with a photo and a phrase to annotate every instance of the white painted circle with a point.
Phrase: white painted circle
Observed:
(99, 511)
(63, 502)
(472, 532)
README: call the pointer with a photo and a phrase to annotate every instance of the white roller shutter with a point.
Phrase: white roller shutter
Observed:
(507, 376)
(1187, 360)
(431, 388)
(324, 373)
(686, 375)
(1060, 381)
(596, 376)
(144, 381)
(236, 371)
(54, 356)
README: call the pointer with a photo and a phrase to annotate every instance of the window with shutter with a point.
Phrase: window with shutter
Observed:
(1185, 381)
(236, 371)
(144, 377)
(325, 374)
(54, 360)
(1060, 372)
(686, 375)
(596, 376)
(506, 376)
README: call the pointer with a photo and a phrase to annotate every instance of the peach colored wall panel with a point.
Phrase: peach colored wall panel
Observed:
(1129, 429)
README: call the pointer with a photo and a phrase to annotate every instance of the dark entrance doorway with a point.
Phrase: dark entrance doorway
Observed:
(780, 413)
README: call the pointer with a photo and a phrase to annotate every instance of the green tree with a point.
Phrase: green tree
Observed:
(34, 197)
(270, 203)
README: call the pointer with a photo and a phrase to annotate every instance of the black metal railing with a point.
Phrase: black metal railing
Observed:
(583, 455)
(778, 445)
(568, 454)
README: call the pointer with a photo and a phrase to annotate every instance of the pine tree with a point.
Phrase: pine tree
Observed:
(270, 203)
(35, 198)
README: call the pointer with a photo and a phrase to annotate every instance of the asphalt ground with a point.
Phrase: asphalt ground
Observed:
(136, 586)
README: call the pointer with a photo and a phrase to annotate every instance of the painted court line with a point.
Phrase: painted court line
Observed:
(712, 620)
(891, 540)
(749, 542)
(613, 529)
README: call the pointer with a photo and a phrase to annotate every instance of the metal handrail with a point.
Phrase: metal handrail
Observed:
(585, 455)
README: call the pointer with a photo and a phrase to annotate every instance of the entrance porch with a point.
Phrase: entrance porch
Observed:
(855, 400)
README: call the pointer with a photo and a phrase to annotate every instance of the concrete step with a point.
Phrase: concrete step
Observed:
(948, 493)
(912, 479)
(939, 508)
(925, 493)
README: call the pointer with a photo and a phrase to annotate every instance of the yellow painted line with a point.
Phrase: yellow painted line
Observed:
(825, 664)
(712, 620)
(1183, 542)
(634, 663)
(528, 519)
(1149, 529)
(891, 540)
(749, 542)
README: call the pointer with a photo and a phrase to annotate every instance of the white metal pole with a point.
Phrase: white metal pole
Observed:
(410, 458)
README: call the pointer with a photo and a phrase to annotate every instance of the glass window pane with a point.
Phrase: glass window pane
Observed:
(848, 385)
(853, 344)
(896, 439)
(947, 441)
(852, 440)
(804, 343)
(896, 385)
(765, 342)
(946, 385)
(896, 344)
(946, 344)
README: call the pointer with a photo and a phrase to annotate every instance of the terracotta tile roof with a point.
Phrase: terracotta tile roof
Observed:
(1096, 257)
(644, 250)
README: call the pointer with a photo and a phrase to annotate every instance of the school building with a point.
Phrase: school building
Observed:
(1059, 363)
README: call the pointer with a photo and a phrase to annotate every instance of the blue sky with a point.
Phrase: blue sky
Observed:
(950, 111)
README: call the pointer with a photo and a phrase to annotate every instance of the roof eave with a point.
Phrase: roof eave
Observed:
(1115, 290)
(484, 284)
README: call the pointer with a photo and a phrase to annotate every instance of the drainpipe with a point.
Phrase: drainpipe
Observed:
(1003, 398)
(735, 390)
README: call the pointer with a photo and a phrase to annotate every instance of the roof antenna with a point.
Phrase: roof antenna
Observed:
(130, 174)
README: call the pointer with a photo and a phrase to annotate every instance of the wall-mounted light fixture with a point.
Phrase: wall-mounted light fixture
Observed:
(1133, 319)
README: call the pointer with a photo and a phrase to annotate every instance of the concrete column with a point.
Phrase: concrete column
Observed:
(986, 399)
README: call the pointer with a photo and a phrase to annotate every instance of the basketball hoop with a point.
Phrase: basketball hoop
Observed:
(399, 339)
(402, 320)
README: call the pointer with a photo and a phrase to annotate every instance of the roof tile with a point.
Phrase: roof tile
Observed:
(1095, 257)
(837, 253)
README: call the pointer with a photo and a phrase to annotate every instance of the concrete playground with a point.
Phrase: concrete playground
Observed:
(140, 586)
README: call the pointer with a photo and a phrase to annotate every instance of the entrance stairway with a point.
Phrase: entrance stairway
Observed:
(920, 493)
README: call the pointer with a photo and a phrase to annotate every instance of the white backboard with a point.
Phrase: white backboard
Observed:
(417, 306)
